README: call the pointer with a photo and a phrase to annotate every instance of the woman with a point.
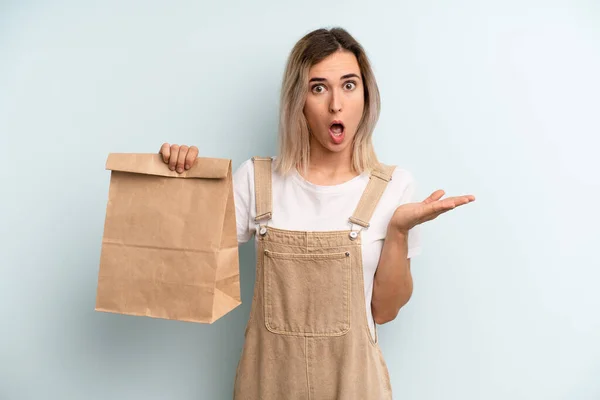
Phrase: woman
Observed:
(334, 230)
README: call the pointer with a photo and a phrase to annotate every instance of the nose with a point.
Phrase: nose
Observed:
(334, 110)
(335, 104)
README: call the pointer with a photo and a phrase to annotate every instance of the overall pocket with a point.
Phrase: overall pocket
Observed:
(307, 294)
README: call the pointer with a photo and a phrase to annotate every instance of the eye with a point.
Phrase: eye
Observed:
(350, 85)
(318, 88)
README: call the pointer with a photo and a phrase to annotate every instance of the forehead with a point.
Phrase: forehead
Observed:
(335, 65)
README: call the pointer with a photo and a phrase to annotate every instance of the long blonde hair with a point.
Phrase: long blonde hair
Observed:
(294, 135)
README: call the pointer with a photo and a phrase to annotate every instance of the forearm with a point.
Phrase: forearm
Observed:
(392, 286)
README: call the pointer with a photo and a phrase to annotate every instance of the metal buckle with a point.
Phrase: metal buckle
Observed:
(261, 229)
(353, 235)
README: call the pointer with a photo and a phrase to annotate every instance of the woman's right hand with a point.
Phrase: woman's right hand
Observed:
(179, 157)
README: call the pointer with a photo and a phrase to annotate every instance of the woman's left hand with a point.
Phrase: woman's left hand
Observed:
(409, 215)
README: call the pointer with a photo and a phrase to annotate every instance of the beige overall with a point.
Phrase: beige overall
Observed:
(307, 336)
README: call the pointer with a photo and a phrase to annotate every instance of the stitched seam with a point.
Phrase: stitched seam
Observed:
(359, 221)
(362, 204)
(361, 282)
(268, 305)
(381, 175)
(307, 367)
(291, 232)
(373, 187)
(303, 256)
(269, 199)
(336, 246)
(300, 247)
(266, 291)
(348, 289)
(262, 181)
(257, 188)
(379, 193)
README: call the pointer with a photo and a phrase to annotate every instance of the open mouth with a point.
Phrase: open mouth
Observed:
(337, 128)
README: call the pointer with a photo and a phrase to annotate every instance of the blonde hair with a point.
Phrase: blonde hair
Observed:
(294, 135)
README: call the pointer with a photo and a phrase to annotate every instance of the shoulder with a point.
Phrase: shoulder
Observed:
(244, 174)
(243, 177)
(243, 183)
(402, 180)
(247, 166)
(244, 168)
(400, 189)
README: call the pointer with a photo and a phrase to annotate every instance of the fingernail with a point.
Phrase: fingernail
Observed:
(187, 166)
(180, 170)
(172, 168)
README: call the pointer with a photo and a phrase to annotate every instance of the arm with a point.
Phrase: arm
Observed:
(393, 284)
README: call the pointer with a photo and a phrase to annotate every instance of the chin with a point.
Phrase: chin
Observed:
(338, 148)
(325, 142)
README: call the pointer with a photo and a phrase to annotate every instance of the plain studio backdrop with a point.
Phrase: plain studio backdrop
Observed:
(499, 99)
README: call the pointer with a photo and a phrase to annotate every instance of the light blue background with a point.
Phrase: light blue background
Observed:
(495, 98)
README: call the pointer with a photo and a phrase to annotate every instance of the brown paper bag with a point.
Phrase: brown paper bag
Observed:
(169, 248)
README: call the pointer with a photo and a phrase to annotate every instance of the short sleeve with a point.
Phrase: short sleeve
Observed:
(242, 193)
(408, 196)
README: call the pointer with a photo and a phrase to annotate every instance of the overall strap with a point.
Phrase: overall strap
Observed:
(262, 188)
(378, 181)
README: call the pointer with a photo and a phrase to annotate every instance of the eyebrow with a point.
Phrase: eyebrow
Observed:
(342, 78)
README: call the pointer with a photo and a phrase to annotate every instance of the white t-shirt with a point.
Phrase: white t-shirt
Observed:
(302, 206)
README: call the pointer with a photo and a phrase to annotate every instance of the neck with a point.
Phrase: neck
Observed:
(329, 168)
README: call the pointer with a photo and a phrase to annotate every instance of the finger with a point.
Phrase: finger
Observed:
(191, 157)
(173, 157)
(438, 206)
(165, 151)
(433, 210)
(183, 150)
(435, 196)
(446, 208)
(461, 200)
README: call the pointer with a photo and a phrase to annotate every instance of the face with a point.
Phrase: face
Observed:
(335, 102)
